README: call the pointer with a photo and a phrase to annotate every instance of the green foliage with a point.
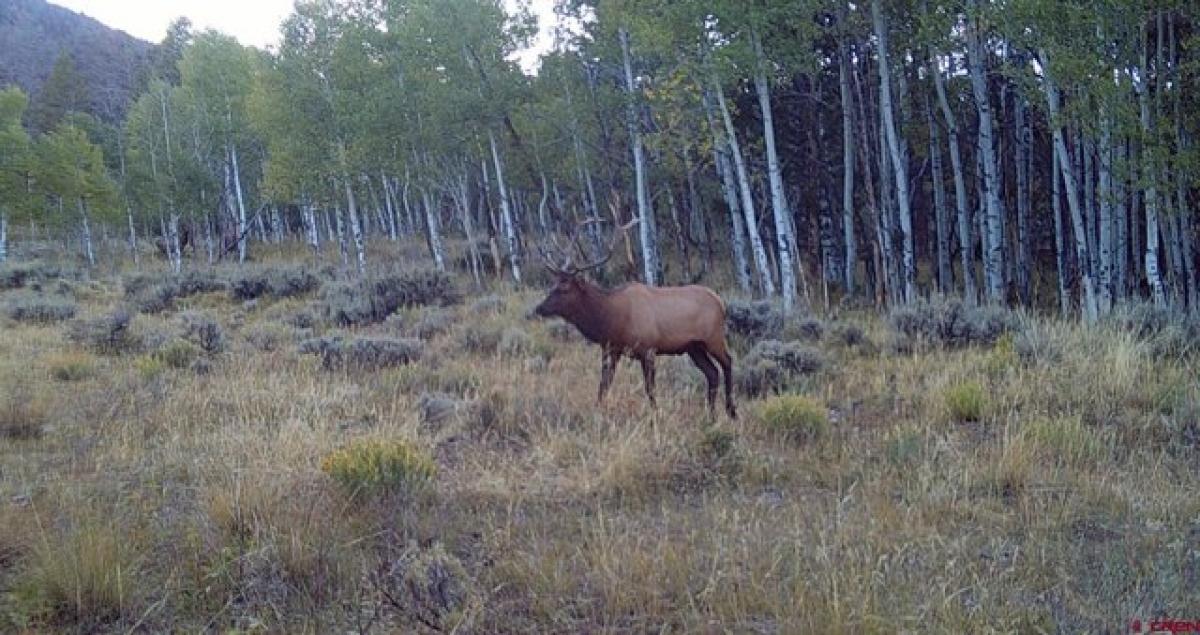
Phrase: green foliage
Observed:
(38, 307)
(794, 417)
(373, 299)
(110, 334)
(363, 353)
(23, 411)
(64, 92)
(72, 367)
(83, 575)
(950, 322)
(376, 467)
(177, 353)
(966, 401)
(203, 330)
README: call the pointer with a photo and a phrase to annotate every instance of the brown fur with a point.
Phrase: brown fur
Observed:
(643, 322)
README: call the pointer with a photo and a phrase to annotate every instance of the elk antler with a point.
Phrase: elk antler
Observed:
(568, 266)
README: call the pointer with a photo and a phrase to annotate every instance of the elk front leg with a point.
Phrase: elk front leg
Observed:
(608, 368)
(647, 359)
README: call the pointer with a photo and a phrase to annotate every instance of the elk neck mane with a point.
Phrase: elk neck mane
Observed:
(592, 316)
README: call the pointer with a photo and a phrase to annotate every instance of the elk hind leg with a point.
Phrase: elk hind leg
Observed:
(721, 354)
(647, 360)
(711, 375)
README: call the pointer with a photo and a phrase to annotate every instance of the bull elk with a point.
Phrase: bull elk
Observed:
(641, 322)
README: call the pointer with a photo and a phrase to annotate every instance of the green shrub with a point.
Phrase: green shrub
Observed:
(151, 293)
(18, 275)
(177, 354)
(474, 337)
(488, 304)
(374, 467)
(276, 282)
(22, 412)
(149, 367)
(1067, 440)
(110, 334)
(515, 342)
(269, 336)
(849, 334)
(966, 401)
(809, 328)
(372, 300)
(717, 445)
(417, 378)
(950, 322)
(754, 319)
(39, 307)
(82, 575)
(905, 446)
(202, 330)
(771, 366)
(794, 417)
(431, 322)
(430, 587)
(363, 353)
(72, 366)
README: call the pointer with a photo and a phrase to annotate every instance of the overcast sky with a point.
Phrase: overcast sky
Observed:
(252, 22)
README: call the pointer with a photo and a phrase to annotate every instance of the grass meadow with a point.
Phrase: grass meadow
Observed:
(279, 448)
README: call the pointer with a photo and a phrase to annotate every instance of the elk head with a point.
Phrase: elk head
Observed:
(566, 294)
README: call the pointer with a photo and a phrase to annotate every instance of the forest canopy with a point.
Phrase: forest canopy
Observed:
(1035, 152)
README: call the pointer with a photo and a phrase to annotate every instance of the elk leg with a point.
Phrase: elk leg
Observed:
(608, 368)
(711, 375)
(726, 362)
(648, 375)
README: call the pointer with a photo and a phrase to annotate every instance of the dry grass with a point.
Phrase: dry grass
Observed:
(155, 497)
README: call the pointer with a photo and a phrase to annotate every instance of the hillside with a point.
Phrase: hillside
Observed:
(33, 33)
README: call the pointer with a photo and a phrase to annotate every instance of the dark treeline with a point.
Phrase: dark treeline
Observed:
(1036, 152)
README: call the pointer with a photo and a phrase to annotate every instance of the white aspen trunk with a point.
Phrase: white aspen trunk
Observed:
(176, 244)
(646, 227)
(3, 238)
(390, 207)
(410, 217)
(898, 160)
(1060, 255)
(356, 231)
(435, 232)
(941, 220)
(589, 192)
(133, 245)
(1024, 143)
(241, 204)
(729, 190)
(464, 205)
(1150, 177)
(506, 216)
(994, 238)
(783, 227)
(88, 249)
(849, 242)
(1186, 229)
(1090, 307)
(960, 186)
(343, 249)
(886, 230)
(763, 268)
(210, 247)
(310, 221)
(1120, 226)
(541, 211)
(1104, 273)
